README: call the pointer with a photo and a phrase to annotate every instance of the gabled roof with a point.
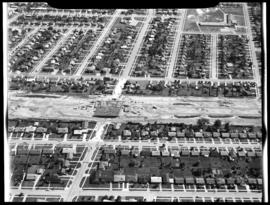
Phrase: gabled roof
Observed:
(200, 180)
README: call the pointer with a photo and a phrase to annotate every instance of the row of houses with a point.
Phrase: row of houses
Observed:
(156, 47)
(185, 152)
(234, 57)
(255, 15)
(175, 132)
(177, 88)
(143, 175)
(63, 60)
(193, 60)
(55, 85)
(26, 57)
(114, 49)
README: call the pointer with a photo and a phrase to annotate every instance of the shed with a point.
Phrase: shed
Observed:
(216, 134)
(189, 180)
(156, 180)
(220, 181)
(234, 135)
(119, 178)
(155, 153)
(200, 180)
(225, 135)
(173, 129)
(198, 134)
(210, 181)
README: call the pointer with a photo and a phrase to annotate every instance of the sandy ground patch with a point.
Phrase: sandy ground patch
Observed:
(139, 108)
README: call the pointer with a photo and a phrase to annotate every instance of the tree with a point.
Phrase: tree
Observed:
(227, 126)
(217, 124)
(131, 163)
(202, 123)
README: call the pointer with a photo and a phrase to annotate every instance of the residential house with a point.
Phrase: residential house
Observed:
(225, 135)
(200, 181)
(216, 134)
(62, 130)
(198, 134)
(156, 180)
(155, 153)
(189, 180)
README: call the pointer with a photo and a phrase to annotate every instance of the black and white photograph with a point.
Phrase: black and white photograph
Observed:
(135, 104)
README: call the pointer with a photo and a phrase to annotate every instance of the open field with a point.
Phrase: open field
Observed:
(140, 108)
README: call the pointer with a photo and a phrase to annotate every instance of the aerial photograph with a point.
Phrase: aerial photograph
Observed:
(134, 105)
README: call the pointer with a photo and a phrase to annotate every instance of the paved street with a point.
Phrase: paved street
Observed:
(137, 46)
(214, 58)
(197, 106)
(179, 32)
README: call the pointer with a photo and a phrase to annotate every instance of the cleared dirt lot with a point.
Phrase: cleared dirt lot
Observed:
(184, 109)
